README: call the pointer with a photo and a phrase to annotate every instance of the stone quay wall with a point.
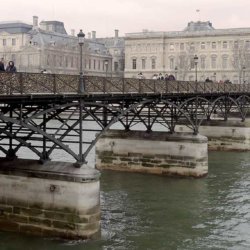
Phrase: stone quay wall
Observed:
(52, 200)
(180, 154)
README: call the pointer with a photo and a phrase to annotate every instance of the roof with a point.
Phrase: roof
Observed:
(15, 27)
(194, 29)
(199, 26)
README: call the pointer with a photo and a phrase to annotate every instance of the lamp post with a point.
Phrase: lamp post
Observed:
(81, 86)
(175, 72)
(196, 63)
(243, 73)
(106, 67)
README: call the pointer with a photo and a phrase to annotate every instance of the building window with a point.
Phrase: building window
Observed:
(13, 57)
(153, 63)
(182, 62)
(203, 45)
(13, 41)
(89, 63)
(213, 45)
(235, 79)
(171, 63)
(4, 42)
(121, 64)
(192, 47)
(143, 63)
(133, 63)
(99, 65)
(213, 62)
(224, 62)
(181, 46)
(116, 66)
(171, 47)
(66, 62)
(55, 61)
(236, 45)
(191, 63)
(247, 44)
(224, 45)
(60, 61)
(203, 62)
(94, 64)
(72, 62)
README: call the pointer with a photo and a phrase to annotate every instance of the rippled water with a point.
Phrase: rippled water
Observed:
(152, 212)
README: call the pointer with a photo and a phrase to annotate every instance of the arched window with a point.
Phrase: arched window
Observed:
(225, 61)
(213, 61)
(143, 63)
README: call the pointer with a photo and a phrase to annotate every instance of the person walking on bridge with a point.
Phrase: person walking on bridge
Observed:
(11, 67)
(2, 65)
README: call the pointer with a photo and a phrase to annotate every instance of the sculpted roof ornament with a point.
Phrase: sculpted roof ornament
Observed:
(199, 26)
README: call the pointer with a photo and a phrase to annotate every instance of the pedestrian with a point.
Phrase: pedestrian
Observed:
(2, 65)
(140, 76)
(155, 77)
(11, 67)
(171, 78)
(160, 77)
(166, 77)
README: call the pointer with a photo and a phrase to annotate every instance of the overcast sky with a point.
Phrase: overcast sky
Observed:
(129, 15)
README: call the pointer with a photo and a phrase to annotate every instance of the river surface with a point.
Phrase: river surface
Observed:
(151, 212)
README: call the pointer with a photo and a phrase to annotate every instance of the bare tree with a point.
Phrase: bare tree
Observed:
(241, 58)
(185, 61)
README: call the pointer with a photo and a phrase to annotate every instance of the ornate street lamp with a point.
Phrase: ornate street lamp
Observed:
(81, 87)
(214, 76)
(175, 72)
(196, 63)
(243, 72)
(106, 62)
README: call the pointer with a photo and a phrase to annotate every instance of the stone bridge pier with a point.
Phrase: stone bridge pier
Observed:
(230, 135)
(50, 200)
(179, 154)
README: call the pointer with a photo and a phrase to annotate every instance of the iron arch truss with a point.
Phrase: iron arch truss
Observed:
(74, 123)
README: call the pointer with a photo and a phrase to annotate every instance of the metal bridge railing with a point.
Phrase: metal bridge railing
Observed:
(34, 83)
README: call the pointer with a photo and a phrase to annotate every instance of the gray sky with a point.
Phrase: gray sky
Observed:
(129, 15)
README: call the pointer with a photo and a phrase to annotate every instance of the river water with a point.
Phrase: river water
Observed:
(151, 212)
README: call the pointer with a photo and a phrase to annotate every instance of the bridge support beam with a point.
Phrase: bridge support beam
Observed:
(50, 200)
(230, 135)
(178, 154)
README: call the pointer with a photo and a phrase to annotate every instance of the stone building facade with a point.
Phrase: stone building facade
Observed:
(115, 46)
(223, 54)
(47, 46)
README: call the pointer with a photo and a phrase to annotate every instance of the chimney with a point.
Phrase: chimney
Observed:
(35, 22)
(94, 35)
(116, 33)
(89, 35)
(72, 32)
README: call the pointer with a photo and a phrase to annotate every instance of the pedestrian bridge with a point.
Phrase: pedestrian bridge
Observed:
(45, 112)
